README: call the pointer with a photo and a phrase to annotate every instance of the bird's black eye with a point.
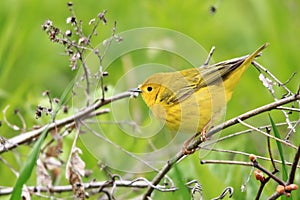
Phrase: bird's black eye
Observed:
(149, 89)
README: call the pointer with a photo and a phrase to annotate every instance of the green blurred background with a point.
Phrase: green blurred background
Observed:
(30, 64)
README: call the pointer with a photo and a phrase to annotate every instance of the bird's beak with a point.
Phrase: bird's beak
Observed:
(138, 90)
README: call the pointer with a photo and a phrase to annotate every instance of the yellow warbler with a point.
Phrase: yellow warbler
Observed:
(189, 100)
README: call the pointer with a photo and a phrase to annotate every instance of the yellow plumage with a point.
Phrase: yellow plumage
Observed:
(187, 100)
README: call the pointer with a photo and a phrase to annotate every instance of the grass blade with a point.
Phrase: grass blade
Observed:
(28, 167)
(279, 146)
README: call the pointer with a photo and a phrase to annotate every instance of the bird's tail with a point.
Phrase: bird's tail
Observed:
(252, 56)
(233, 78)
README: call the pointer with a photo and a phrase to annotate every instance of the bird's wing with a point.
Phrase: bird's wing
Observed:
(192, 80)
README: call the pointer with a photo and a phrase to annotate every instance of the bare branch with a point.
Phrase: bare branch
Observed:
(68, 188)
(86, 113)
(227, 162)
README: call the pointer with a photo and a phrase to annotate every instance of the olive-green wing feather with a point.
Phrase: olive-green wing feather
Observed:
(186, 82)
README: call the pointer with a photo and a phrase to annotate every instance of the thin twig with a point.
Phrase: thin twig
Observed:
(9, 166)
(261, 168)
(246, 154)
(288, 135)
(260, 67)
(98, 112)
(21, 119)
(254, 164)
(101, 57)
(289, 109)
(93, 32)
(118, 147)
(86, 74)
(81, 51)
(290, 78)
(209, 56)
(171, 189)
(266, 134)
(262, 186)
(12, 126)
(266, 180)
(294, 167)
(269, 150)
(227, 162)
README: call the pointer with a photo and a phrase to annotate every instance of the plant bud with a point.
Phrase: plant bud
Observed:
(291, 187)
(280, 189)
(259, 175)
(252, 157)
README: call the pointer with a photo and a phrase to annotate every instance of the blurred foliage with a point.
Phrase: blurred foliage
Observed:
(30, 64)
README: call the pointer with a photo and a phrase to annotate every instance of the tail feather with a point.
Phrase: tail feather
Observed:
(233, 78)
(252, 56)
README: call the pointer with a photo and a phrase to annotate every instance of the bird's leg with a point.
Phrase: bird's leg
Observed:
(202, 137)
(186, 144)
(204, 131)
